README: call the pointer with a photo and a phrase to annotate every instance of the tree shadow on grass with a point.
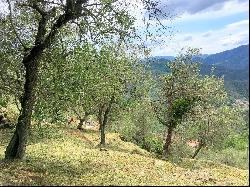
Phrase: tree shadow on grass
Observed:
(38, 171)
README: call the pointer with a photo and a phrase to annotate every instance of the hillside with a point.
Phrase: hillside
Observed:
(232, 64)
(66, 156)
(236, 59)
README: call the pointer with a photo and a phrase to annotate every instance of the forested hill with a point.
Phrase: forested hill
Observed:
(233, 64)
(237, 58)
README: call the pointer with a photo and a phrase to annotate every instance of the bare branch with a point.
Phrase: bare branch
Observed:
(17, 104)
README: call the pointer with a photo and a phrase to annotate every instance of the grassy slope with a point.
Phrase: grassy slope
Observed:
(70, 157)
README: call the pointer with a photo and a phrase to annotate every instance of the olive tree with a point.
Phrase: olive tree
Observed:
(118, 72)
(67, 82)
(209, 115)
(212, 124)
(95, 81)
(177, 93)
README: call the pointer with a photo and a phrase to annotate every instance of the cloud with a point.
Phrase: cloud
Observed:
(211, 12)
(213, 41)
(207, 34)
(188, 38)
(196, 6)
(243, 23)
(193, 6)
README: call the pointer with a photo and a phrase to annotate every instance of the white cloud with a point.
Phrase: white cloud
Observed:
(243, 23)
(191, 7)
(213, 41)
(228, 8)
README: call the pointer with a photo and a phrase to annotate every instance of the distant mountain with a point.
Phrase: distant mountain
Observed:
(232, 64)
(163, 57)
(237, 58)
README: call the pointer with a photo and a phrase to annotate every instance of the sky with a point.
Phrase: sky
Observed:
(212, 25)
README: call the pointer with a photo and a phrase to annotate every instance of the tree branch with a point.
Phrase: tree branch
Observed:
(38, 9)
(158, 117)
(41, 30)
(63, 19)
(14, 29)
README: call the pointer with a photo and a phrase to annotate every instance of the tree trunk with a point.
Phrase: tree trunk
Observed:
(100, 111)
(248, 154)
(79, 126)
(166, 147)
(104, 122)
(201, 144)
(102, 129)
(82, 120)
(17, 145)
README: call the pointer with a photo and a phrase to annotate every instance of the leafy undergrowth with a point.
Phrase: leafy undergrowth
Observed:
(65, 156)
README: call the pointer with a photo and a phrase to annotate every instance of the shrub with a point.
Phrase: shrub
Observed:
(238, 142)
(11, 112)
(230, 156)
(153, 144)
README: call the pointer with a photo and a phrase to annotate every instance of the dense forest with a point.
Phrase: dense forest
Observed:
(78, 106)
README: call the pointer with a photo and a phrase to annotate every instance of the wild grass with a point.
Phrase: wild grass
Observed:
(59, 155)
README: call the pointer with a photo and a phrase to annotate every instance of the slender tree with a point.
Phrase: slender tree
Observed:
(178, 93)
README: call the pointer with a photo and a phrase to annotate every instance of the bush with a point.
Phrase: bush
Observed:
(238, 142)
(230, 156)
(3, 102)
(11, 112)
(144, 138)
(153, 144)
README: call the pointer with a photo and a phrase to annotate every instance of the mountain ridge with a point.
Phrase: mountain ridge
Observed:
(233, 64)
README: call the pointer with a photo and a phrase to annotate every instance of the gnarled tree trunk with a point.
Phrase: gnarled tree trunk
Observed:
(166, 148)
(17, 145)
(104, 121)
(99, 116)
(200, 145)
(82, 120)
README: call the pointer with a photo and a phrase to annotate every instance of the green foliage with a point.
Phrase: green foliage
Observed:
(178, 90)
(11, 111)
(138, 125)
(180, 107)
(238, 142)
(230, 156)
(92, 78)
(153, 143)
(3, 101)
(183, 93)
